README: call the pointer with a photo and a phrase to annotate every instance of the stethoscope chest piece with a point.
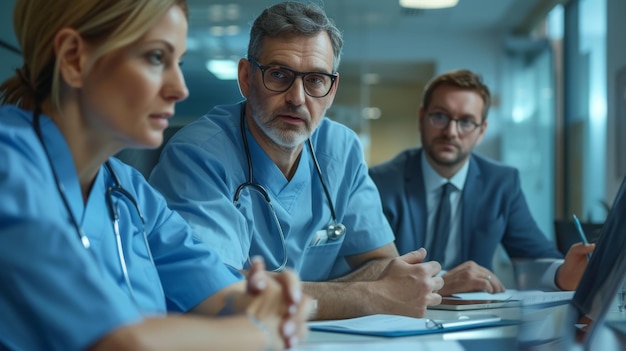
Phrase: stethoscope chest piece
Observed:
(335, 231)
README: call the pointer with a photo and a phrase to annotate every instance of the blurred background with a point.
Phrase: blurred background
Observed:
(556, 69)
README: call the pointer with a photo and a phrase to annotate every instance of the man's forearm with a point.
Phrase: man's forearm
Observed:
(339, 300)
(369, 271)
(346, 296)
(402, 285)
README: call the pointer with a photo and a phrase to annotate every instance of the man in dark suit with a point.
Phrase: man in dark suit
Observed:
(482, 204)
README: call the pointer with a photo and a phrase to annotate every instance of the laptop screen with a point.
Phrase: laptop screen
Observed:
(606, 269)
(594, 297)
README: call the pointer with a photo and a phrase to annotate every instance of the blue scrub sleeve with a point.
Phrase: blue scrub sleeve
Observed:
(189, 270)
(197, 186)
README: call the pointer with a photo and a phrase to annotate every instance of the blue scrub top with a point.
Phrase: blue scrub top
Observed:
(57, 295)
(204, 163)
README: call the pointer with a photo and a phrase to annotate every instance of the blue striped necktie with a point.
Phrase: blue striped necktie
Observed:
(442, 225)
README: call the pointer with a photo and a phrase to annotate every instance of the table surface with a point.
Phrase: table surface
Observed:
(538, 323)
(451, 341)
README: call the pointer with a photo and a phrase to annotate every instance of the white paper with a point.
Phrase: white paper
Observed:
(369, 345)
(386, 323)
(527, 297)
(377, 322)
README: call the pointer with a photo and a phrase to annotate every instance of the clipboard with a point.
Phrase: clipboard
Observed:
(394, 326)
(509, 298)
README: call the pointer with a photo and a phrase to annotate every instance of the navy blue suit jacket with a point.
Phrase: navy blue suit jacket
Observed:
(494, 209)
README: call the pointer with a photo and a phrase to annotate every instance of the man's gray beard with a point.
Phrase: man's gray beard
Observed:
(287, 139)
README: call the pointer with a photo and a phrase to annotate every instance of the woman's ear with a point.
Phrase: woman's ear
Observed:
(71, 55)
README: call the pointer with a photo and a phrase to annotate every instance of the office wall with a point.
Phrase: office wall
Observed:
(616, 61)
(8, 60)
(481, 51)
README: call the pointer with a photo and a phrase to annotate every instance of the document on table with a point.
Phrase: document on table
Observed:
(369, 345)
(392, 325)
(526, 297)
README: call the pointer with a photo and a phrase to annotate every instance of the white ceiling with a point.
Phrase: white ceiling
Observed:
(352, 17)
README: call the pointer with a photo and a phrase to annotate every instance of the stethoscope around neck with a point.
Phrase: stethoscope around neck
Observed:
(113, 212)
(334, 230)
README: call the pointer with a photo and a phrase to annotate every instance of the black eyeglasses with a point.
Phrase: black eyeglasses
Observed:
(279, 79)
(463, 125)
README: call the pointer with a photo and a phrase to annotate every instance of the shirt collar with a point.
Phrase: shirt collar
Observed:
(433, 181)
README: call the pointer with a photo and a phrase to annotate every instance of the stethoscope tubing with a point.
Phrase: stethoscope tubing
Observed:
(334, 229)
(116, 187)
(260, 188)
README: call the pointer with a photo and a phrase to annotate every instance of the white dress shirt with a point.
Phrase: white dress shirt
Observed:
(433, 183)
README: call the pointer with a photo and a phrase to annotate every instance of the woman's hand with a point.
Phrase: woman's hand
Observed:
(276, 301)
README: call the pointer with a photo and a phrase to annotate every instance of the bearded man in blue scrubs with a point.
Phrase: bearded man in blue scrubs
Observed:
(272, 176)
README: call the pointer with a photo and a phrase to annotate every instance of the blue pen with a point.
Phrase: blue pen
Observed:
(581, 233)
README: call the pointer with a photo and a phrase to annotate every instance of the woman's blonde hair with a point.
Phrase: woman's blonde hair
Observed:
(109, 24)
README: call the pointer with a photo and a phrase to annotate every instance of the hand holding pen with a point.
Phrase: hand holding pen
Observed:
(575, 262)
(581, 233)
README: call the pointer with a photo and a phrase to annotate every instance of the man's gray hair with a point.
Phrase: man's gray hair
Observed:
(294, 18)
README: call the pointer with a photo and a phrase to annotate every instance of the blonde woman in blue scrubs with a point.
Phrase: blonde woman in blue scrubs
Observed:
(91, 256)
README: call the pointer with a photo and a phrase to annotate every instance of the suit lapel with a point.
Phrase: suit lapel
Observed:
(471, 194)
(414, 183)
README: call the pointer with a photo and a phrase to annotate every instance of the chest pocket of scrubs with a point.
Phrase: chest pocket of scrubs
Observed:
(318, 260)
